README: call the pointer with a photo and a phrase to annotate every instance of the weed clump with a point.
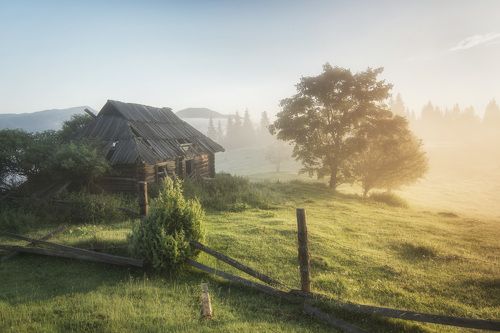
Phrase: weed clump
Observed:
(163, 238)
(229, 193)
(15, 219)
(389, 199)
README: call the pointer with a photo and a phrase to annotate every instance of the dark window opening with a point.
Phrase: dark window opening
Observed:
(112, 150)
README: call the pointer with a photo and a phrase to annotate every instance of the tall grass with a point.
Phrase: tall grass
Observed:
(69, 208)
(230, 193)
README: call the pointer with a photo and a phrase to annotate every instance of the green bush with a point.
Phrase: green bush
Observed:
(388, 198)
(229, 193)
(163, 237)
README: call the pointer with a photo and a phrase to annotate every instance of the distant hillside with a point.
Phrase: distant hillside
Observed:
(199, 113)
(41, 120)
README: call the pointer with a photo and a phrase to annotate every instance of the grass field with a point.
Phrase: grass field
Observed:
(361, 251)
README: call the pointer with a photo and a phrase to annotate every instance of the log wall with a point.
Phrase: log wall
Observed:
(202, 166)
(124, 178)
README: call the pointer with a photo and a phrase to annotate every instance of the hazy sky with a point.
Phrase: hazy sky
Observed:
(232, 55)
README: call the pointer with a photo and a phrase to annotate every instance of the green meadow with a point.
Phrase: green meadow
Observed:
(361, 251)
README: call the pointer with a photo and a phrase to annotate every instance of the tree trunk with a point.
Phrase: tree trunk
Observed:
(333, 178)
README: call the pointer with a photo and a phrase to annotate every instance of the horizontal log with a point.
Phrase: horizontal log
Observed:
(71, 255)
(484, 324)
(111, 178)
(64, 248)
(230, 277)
(230, 261)
(332, 321)
(46, 237)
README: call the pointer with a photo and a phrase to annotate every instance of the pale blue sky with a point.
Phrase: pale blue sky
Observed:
(232, 55)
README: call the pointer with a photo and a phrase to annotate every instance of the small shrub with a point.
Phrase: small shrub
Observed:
(390, 199)
(229, 193)
(163, 238)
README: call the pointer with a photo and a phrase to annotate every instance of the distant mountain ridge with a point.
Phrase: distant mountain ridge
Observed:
(204, 113)
(40, 120)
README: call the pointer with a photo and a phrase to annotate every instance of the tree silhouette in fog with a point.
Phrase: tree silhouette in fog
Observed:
(324, 120)
(393, 156)
(211, 132)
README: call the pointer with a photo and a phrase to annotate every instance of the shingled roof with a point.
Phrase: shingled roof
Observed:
(135, 133)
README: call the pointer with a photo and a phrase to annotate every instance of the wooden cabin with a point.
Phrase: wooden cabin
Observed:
(145, 143)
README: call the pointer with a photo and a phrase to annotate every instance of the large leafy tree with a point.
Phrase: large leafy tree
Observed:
(50, 156)
(393, 156)
(325, 119)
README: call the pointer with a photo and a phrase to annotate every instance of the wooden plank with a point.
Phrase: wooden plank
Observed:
(261, 287)
(206, 304)
(90, 113)
(332, 321)
(303, 251)
(236, 264)
(71, 255)
(64, 248)
(46, 237)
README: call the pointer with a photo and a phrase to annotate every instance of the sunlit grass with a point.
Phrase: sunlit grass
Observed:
(361, 251)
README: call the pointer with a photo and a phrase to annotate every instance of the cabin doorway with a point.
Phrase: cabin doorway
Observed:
(189, 168)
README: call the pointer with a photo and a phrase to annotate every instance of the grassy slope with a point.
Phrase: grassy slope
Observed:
(362, 252)
(455, 182)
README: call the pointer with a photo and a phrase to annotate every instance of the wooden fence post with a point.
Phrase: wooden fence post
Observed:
(143, 198)
(304, 263)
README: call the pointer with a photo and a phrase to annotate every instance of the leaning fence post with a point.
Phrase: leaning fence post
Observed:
(303, 248)
(143, 198)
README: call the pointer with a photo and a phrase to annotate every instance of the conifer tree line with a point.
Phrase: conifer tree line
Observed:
(451, 124)
(240, 132)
